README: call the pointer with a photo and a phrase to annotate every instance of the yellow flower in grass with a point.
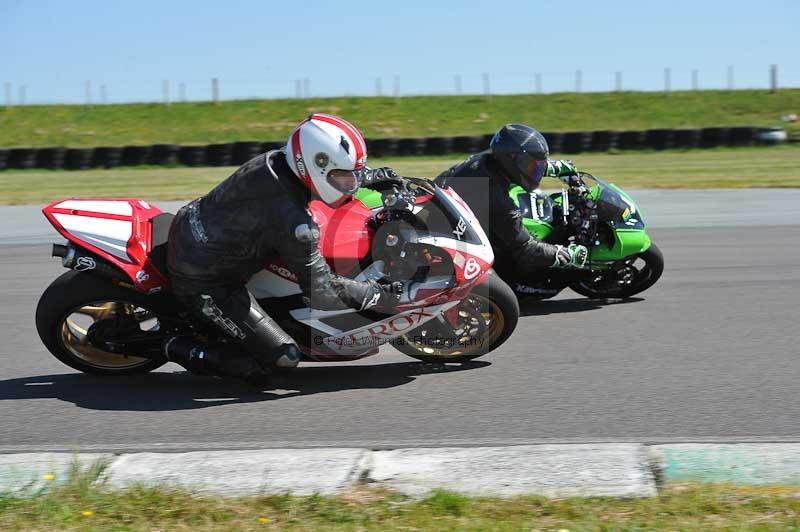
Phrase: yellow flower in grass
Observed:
(48, 477)
(263, 520)
(87, 513)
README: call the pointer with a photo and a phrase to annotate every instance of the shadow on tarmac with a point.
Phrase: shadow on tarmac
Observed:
(565, 306)
(155, 392)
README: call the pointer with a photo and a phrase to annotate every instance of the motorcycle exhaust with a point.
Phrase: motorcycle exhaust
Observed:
(84, 261)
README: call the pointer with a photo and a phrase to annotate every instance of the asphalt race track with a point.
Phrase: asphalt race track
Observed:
(710, 353)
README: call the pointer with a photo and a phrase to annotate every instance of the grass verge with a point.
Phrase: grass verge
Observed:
(205, 122)
(79, 504)
(777, 166)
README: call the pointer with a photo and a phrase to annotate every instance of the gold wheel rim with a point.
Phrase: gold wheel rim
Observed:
(73, 336)
(492, 323)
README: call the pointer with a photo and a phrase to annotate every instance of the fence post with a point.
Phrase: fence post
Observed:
(165, 90)
(578, 80)
(457, 82)
(773, 78)
(486, 88)
(618, 81)
(695, 83)
(215, 90)
(730, 77)
(667, 80)
(538, 78)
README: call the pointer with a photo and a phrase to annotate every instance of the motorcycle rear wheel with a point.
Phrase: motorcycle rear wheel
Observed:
(72, 304)
(487, 317)
(643, 271)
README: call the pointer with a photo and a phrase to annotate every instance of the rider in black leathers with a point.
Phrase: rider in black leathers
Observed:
(258, 214)
(517, 154)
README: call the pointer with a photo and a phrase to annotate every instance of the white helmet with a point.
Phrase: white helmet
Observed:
(327, 154)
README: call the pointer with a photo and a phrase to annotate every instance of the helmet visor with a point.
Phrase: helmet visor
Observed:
(345, 181)
(531, 169)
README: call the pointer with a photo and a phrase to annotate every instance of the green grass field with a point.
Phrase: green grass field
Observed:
(80, 505)
(203, 123)
(721, 168)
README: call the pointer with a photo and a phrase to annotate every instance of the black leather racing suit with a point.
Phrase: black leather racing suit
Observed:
(258, 214)
(484, 187)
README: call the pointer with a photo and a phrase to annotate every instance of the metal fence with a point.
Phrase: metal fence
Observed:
(94, 92)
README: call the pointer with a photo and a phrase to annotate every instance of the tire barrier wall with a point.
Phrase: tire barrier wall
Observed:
(236, 153)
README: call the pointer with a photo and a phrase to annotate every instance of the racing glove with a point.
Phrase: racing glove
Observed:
(384, 296)
(374, 176)
(572, 256)
(563, 169)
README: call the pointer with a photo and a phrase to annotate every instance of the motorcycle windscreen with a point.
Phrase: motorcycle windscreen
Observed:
(614, 208)
(442, 219)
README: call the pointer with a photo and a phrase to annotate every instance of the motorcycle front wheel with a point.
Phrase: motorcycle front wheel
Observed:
(627, 278)
(485, 319)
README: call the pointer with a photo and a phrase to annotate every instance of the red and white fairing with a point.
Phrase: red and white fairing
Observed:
(117, 230)
(345, 241)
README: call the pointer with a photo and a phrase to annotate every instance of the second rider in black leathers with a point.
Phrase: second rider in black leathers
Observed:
(257, 215)
(517, 154)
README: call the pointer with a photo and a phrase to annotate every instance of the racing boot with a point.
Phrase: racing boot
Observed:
(284, 357)
(224, 360)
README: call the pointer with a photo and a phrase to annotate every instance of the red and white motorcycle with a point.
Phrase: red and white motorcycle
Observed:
(112, 310)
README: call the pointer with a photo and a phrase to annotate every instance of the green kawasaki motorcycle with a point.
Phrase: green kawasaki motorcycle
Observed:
(601, 216)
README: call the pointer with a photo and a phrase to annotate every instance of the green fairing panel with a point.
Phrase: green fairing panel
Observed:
(538, 228)
(370, 198)
(627, 242)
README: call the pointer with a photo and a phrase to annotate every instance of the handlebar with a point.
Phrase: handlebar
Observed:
(579, 210)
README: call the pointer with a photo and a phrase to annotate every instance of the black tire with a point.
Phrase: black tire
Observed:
(468, 144)
(71, 291)
(78, 158)
(22, 158)
(576, 141)
(51, 158)
(659, 139)
(647, 277)
(136, 155)
(411, 146)
(496, 291)
(164, 154)
(107, 157)
(192, 155)
(711, 137)
(742, 136)
(604, 140)
(438, 145)
(219, 154)
(382, 147)
(630, 140)
(272, 145)
(244, 151)
(687, 138)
